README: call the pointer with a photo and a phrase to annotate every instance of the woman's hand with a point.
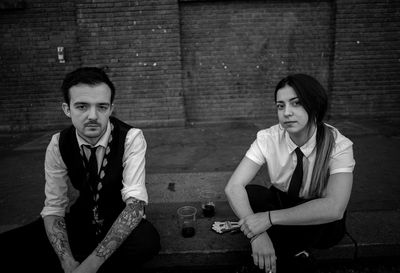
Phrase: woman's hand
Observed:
(254, 224)
(263, 253)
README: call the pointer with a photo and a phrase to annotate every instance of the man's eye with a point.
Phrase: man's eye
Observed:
(103, 108)
(81, 107)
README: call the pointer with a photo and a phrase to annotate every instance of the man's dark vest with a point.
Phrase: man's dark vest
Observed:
(109, 202)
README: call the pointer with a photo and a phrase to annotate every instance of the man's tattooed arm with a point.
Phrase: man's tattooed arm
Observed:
(128, 219)
(57, 233)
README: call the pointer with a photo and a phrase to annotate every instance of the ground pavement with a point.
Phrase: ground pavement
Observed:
(183, 161)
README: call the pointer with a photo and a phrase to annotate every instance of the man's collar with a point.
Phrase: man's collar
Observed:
(103, 141)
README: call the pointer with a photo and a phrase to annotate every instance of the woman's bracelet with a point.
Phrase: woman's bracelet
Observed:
(269, 217)
(255, 237)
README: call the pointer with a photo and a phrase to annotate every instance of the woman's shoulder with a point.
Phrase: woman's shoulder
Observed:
(341, 141)
(271, 132)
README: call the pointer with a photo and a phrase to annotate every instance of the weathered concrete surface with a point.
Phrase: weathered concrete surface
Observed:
(182, 161)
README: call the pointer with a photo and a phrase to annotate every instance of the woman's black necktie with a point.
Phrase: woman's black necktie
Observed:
(92, 167)
(297, 177)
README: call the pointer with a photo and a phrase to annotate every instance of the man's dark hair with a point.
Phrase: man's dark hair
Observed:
(85, 75)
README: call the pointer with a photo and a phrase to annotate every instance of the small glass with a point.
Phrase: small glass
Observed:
(187, 221)
(207, 198)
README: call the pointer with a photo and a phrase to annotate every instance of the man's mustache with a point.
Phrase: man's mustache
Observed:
(89, 124)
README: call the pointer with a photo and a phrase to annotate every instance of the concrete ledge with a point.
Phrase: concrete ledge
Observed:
(376, 232)
(369, 229)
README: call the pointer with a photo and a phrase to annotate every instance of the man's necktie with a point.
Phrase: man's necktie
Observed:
(297, 177)
(92, 167)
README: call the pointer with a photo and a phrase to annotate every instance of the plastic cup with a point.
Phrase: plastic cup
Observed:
(187, 221)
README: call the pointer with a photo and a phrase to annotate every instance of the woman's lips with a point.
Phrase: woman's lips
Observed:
(289, 122)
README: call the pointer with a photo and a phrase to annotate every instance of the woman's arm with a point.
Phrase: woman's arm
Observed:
(263, 251)
(322, 210)
(235, 189)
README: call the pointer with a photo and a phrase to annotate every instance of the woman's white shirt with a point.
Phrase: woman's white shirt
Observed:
(274, 147)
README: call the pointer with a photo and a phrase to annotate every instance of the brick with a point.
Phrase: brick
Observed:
(214, 60)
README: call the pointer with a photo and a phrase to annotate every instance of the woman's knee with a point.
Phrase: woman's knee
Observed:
(260, 198)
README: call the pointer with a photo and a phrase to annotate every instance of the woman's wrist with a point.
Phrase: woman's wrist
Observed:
(255, 237)
(270, 219)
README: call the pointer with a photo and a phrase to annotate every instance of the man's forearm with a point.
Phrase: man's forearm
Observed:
(127, 221)
(57, 233)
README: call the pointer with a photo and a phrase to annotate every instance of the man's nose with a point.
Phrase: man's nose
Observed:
(92, 113)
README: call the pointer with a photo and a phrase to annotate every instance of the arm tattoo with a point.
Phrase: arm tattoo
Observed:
(57, 234)
(128, 219)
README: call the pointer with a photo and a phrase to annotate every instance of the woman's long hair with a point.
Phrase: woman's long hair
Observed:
(314, 99)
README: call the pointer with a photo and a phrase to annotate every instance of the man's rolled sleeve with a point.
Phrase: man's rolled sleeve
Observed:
(56, 188)
(134, 166)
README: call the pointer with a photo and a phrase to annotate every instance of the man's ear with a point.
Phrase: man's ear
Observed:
(111, 108)
(66, 109)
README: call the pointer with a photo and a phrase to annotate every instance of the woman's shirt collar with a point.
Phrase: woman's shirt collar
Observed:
(306, 148)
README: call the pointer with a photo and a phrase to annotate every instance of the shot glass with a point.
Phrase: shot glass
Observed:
(187, 221)
(207, 199)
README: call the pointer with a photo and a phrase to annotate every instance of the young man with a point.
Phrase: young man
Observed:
(93, 215)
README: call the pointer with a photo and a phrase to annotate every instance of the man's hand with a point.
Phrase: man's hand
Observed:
(90, 265)
(254, 224)
(263, 253)
(69, 265)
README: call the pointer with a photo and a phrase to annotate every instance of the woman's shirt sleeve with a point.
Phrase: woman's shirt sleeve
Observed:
(255, 152)
(342, 159)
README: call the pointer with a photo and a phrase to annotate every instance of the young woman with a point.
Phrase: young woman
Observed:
(310, 166)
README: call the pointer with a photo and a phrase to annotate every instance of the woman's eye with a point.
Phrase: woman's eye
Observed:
(279, 106)
(296, 103)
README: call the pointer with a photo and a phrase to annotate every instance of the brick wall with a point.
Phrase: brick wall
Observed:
(233, 53)
(30, 74)
(139, 42)
(366, 75)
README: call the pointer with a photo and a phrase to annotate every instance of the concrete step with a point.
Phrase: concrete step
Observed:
(374, 225)
(375, 232)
